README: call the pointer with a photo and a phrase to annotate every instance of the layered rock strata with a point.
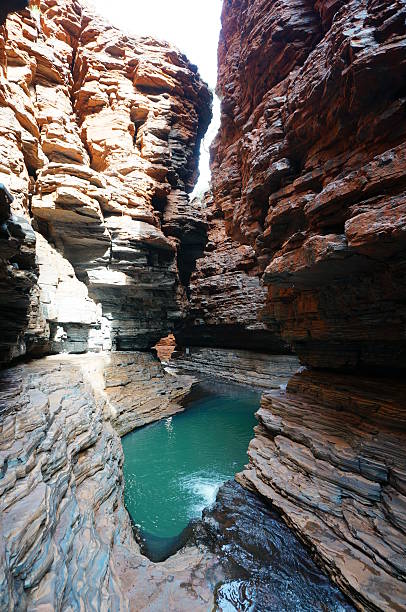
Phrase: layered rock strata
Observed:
(329, 453)
(66, 541)
(259, 370)
(309, 170)
(138, 390)
(19, 293)
(100, 135)
(226, 296)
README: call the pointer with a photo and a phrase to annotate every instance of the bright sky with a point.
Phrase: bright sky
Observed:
(191, 26)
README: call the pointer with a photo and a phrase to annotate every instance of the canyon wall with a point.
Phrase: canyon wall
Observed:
(309, 177)
(329, 453)
(245, 367)
(309, 170)
(99, 141)
(99, 135)
(226, 296)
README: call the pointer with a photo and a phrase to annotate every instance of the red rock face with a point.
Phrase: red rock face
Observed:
(309, 169)
(226, 296)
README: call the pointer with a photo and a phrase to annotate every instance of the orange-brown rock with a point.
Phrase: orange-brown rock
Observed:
(226, 298)
(99, 136)
(165, 348)
(309, 169)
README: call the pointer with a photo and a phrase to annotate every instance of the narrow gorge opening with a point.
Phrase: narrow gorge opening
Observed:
(192, 28)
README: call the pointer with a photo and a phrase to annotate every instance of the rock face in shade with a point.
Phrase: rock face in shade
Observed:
(226, 296)
(99, 136)
(18, 278)
(259, 370)
(10, 6)
(66, 540)
(330, 454)
(309, 170)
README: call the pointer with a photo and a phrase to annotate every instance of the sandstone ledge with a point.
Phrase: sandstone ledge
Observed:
(99, 141)
(257, 370)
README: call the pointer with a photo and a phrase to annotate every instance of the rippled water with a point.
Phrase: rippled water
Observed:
(174, 468)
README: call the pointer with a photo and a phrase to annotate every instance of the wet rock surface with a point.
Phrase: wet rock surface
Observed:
(329, 453)
(266, 565)
(66, 539)
(99, 135)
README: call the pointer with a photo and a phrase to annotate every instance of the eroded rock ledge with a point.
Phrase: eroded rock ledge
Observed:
(330, 454)
(66, 541)
(309, 174)
(249, 368)
(227, 299)
(99, 139)
(309, 170)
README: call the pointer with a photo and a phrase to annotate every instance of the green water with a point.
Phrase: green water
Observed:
(173, 468)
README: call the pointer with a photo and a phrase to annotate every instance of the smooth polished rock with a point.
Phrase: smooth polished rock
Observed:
(66, 540)
(138, 390)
